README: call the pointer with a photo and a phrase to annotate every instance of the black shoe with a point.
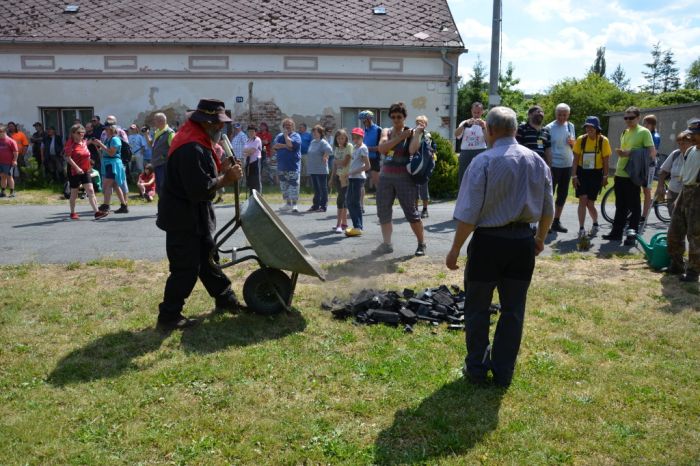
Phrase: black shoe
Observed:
(420, 251)
(227, 302)
(479, 380)
(630, 241)
(103, 208)
(424, 214)
(674, 269)
(557, 226)
(178, 323)
(611, 237)
(689, 277)
(122, 210)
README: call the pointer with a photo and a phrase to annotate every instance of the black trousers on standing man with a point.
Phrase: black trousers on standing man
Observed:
(627, 203)
(188, 254)
(500, 258)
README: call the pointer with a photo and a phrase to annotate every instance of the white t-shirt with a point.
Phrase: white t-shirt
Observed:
(356, 161)
(473, 138)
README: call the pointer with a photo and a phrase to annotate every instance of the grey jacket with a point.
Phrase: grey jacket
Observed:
(638, 166)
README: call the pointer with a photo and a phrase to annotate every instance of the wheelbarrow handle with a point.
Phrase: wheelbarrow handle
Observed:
(228, 149)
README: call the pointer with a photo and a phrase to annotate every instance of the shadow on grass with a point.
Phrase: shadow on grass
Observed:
(448, 423)
(369, 265)
(114, 353)
(680, 296)
(220, 331)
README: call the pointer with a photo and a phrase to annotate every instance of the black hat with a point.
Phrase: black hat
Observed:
(209, 110)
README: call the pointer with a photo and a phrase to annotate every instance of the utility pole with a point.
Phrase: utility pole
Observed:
(494, 98)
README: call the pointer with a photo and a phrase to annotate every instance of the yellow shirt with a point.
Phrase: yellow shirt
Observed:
(597, 152)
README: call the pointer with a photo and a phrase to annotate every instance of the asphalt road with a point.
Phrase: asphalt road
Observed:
(45, 234)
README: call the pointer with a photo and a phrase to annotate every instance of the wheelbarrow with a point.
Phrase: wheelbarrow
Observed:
(268, 290)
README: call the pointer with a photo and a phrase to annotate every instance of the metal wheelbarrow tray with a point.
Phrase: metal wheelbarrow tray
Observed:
(268, 290)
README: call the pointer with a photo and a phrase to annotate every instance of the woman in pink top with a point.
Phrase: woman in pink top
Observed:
(78, 157)
(252, 152)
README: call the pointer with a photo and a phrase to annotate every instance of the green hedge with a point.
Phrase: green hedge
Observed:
(443, 182)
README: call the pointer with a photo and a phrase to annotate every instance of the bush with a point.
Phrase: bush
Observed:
(443, 182)
(31, 175)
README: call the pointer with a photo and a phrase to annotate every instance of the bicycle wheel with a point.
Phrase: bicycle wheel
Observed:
(661, 209)
(607, 205)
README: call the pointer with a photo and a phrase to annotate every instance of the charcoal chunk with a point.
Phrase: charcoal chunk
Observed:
(408, 316)
(383, 316)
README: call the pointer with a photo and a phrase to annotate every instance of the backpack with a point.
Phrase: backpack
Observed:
(422, 163)
(126, 153)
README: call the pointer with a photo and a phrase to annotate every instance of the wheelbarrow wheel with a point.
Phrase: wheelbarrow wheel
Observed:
(263, 289)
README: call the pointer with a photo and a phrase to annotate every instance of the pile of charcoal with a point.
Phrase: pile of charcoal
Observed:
(433, 306)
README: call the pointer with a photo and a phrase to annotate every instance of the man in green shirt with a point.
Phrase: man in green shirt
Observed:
(627, 194)
(685, 221)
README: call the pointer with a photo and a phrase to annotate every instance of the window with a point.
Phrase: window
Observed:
(349, 120)
(63, 118)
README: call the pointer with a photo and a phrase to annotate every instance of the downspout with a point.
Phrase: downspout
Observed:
(453, 79)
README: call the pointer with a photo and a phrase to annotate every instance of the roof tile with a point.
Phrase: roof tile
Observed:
(260, 22)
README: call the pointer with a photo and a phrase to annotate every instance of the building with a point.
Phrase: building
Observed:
(267, 59)
(671, 120)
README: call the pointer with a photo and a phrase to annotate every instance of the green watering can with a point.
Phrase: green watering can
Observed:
(656, 251)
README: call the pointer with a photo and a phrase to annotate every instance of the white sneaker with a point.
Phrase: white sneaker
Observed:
(594, 230)
(285, 208)
(295, 208)
(581, 233)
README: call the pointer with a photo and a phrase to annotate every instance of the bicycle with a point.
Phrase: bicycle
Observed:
(607, 206)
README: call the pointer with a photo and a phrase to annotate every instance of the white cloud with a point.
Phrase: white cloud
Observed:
(548, 10)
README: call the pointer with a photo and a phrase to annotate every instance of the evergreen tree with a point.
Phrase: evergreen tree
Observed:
(620, 79)
(654, 74)
(599, 63)
(474, 90)
(510, 97)
(668, 75)
(692, 80)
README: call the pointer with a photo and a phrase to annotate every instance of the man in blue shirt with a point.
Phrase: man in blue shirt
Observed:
(306, 138)
(562, 137)
(502, 251)
(373, 133)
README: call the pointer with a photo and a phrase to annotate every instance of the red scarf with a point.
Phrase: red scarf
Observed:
(193, 132)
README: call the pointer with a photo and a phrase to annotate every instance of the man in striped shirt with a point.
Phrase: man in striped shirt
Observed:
(507, 187)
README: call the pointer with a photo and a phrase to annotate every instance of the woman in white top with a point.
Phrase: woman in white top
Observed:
(252, 150)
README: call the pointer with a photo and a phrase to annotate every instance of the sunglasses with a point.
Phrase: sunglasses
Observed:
(630, 118)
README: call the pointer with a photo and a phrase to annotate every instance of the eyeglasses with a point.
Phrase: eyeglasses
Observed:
(630, 118)
(396, 117)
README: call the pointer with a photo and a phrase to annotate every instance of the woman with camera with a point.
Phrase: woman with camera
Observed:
(470, 133)
(112, 169)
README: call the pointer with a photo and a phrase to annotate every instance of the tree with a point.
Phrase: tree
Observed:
(593, 95)
(620, 79)
(511, 97)
(599, 62)
(668, 74)
(692, 80)
(653, 75)
(474, 90)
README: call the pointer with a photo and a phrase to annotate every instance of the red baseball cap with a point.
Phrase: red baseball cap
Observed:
(358, 131)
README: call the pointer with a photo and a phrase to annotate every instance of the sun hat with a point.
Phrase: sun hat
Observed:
(694, 126)
(594, 122)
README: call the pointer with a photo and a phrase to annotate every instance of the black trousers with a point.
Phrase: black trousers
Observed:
(188, 255)
(561, 177)
(627, 200)
(504, 262)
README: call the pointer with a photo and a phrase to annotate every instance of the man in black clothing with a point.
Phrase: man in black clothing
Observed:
(37, 140)
(186, 213)
(534, 136)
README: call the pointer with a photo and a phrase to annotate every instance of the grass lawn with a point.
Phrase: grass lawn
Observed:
(608, 373)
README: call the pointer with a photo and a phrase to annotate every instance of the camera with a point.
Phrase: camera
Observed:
(144, 129)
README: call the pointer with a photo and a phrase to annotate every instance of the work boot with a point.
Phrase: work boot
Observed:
(122, 210)
(690, 276)
(177, 322)
(558, 227)
(227, 302)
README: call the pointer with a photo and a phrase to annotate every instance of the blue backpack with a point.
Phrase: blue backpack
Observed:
(422, 163)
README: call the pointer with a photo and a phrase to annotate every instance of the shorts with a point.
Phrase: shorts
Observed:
(109, 172)
(590, 183)
(6, 169)
(401, 187)
(375, 164)
(76, 180)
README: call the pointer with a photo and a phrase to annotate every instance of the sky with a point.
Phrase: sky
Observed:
(549, 40)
